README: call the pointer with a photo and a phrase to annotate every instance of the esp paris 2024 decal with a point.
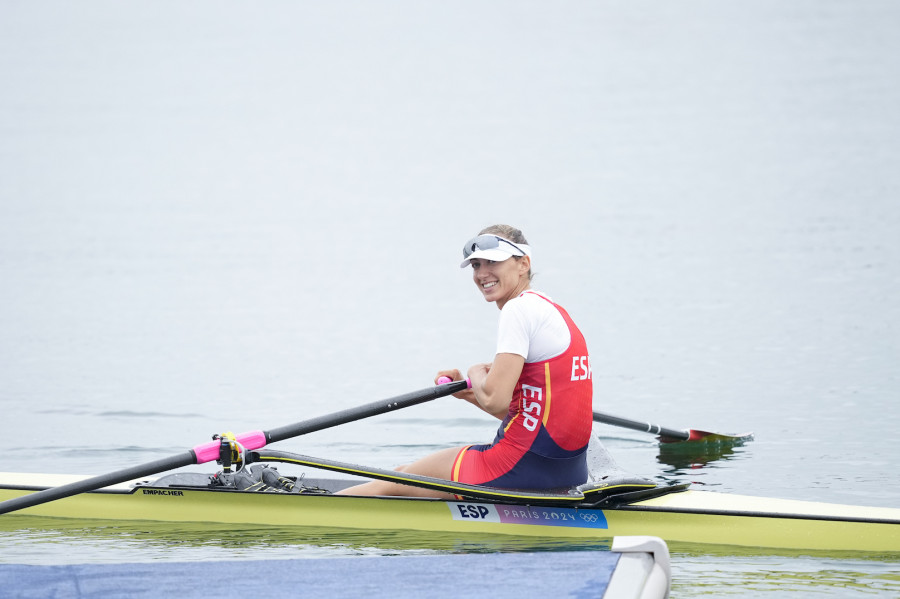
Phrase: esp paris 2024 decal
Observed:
(518, 514)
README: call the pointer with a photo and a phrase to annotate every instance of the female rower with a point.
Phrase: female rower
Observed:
(539, 385)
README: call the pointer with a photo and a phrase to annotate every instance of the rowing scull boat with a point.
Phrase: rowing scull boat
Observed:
(619, 507)
(613, 504)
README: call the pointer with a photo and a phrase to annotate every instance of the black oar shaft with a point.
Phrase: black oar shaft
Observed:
(358, 413)
(190, 457)
(644, 427)
(97, 482)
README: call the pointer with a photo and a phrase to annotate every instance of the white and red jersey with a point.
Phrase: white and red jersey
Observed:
(542, 442)
(537, 423)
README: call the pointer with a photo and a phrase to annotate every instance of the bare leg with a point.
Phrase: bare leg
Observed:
(436, 465)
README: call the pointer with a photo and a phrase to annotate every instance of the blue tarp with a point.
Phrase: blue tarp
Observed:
(495, 575)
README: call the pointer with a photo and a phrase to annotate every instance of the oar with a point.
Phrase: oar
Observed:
(666, 435)
(671, 435)
(250, 440)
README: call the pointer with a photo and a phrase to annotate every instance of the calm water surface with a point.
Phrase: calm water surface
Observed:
(217, 218)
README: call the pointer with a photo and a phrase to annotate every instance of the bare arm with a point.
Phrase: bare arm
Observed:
(493, 384)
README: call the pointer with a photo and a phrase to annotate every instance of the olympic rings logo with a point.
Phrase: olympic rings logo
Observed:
(589, 517)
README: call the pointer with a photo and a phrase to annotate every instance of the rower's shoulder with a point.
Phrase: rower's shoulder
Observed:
(529, 301)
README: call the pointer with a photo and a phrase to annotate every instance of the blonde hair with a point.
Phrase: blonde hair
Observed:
(507, 232)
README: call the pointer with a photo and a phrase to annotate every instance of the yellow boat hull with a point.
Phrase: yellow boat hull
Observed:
(698, 517)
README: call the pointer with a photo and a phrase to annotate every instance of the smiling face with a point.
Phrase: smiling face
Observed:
(501, 281)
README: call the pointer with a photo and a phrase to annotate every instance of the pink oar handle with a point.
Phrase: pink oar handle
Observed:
(210, 451)
(446, 379)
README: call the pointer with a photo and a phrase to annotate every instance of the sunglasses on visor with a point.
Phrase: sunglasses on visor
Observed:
(488, 242)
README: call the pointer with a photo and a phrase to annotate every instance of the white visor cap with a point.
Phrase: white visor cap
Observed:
(494, 248)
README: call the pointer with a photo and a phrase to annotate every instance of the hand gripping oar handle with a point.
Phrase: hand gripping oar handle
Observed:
(444, 380)
(208, 452)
